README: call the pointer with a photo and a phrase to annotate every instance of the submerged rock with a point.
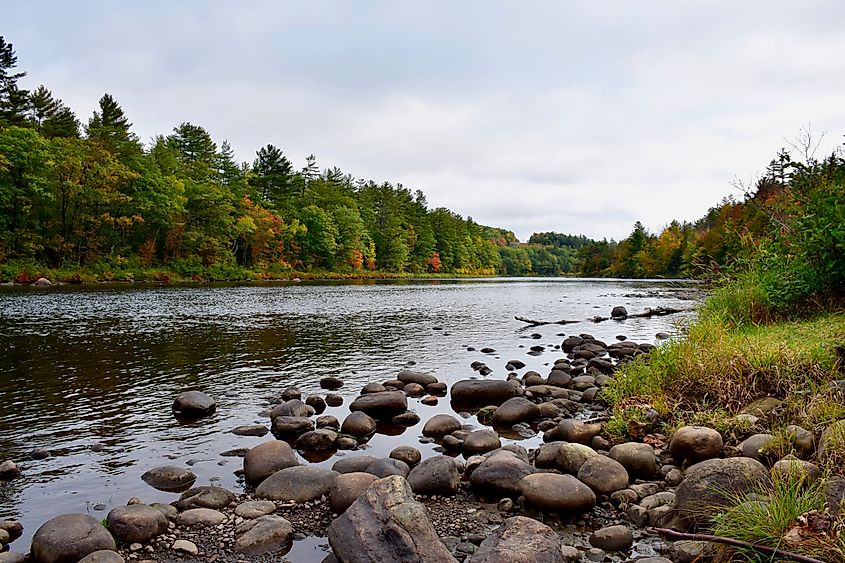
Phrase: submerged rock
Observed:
(193, 404)
(484, 392)
(169, 478)
(382, 404)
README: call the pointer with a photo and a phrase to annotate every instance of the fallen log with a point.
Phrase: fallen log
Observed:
(648, 313)
(772, 551)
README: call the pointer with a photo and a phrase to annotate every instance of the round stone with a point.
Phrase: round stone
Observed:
(70, 537)
(557, 493)
(137, 523)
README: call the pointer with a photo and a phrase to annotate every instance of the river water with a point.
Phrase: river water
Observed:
(90, 373)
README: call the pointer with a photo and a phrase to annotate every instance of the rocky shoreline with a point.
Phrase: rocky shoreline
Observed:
(576, 497)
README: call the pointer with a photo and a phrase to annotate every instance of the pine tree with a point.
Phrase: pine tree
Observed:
(14, 102)
(42, 106)
(272, 176)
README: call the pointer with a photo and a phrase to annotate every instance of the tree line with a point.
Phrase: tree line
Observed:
(91, 196)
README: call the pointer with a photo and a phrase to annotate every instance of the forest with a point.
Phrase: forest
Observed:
(90, 200)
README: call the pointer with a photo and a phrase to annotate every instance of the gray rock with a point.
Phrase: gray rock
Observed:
(9, 470)
(185, 546)
(293, 407)
(713, 484)
(557, 493)
(317, 440)
(358, 423)
(481, 441)
(514, 410)
(356, 464)
(619, 312)
(200, 517)
(613, 538)
(754, 447)
(435, 476)
(638, 459)
(285, 426)
(317, 403)
(137, 523)
(303, 483)
(802, 440)
(387, 467)
(408, 454)
(570, 554)
(205, 497)
(520, 540)
(346, 488)
(386, 524)
(417, 377)
(291, 393)
(262, 535)
(695, 443)
(577, 431)
(193, 404)
(333, 400)
(500, 475)
(571, 457)
(686, 551)
(252, 509)
(42, 282)
(328, 421)
(170, 512)
(603, 474)
(251, 430)
(13, 528)
(484, 392)
(441, 424)
(266, 458)
(169, 478)
(798, 469)
(330, 383)
(102, 556)
(69, 538)
(373, 388)
(384, 404)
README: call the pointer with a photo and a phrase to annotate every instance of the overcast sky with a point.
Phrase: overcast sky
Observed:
(579, 117)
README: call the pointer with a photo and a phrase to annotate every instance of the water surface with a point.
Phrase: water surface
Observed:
(90, 373)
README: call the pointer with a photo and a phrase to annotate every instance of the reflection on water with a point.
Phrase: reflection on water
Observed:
(90, 373)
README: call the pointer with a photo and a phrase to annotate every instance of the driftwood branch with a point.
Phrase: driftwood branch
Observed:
(648, 313)
(773, 551)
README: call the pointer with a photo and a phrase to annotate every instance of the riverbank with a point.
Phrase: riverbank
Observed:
(29, 273)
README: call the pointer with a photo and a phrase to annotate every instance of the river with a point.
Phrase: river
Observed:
(90, 373)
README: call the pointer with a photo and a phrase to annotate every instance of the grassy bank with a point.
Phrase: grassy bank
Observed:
(25, 273)
(718, 370)
(722, 366)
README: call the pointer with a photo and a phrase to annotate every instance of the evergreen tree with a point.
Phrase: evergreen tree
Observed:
(272, 175)
(14, 102)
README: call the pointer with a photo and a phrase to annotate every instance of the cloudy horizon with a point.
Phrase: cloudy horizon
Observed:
(571, 117)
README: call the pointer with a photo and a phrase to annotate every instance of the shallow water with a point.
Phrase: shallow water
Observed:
(90, 373)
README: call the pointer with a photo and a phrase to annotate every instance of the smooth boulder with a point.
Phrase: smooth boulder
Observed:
(358, 423)
(382, 404)
(557, 493)
(266, 458)
(500, 475)
(695, 443)
(347, 487)
(169, 478)
(69, 538)
(193, 404)
(262, 535)
(386, 524)
(514, 410)
(603, 474)
(436, 475)
(302, 483)
(484, 391)
(637, 458)
(136, 523)
(714, 483)
(441, 424)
